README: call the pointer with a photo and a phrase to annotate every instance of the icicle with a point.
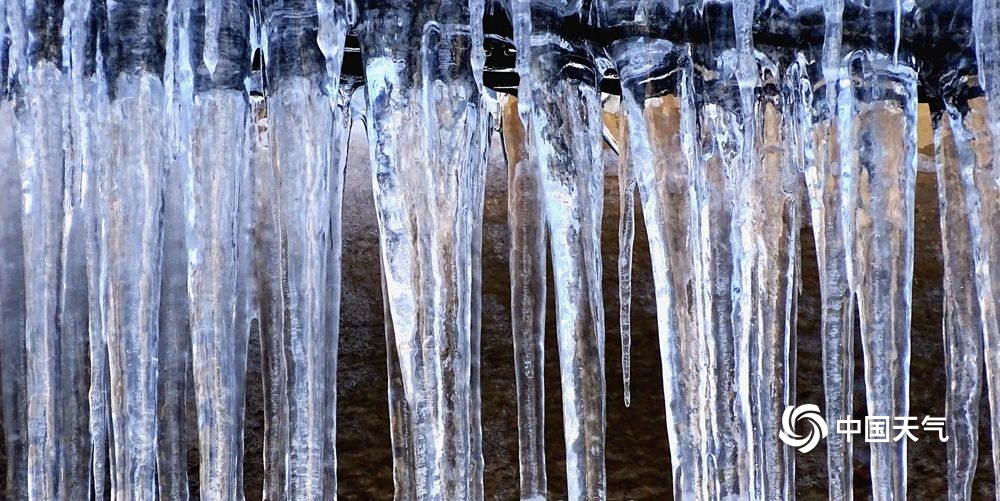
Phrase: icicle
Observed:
(828, 187)
(566, 127)
(334, 19)
(130, 195)
(881, 154)
(477, 467)
(403, 453)
(773, 214)
(717, 285)
(626, 238)
(660, 147)
(986, 27)
(959, 177)
(13, 383)
(338, 162)
(218, 116)
(424, 179)
(174, 352)
(268, 267)
(100, 391)
(526, 222)
(55, 285)
(307, 125)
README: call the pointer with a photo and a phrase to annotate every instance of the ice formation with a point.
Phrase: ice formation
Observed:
(173, 172)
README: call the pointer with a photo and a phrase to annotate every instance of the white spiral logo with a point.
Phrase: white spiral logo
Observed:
(817, 430)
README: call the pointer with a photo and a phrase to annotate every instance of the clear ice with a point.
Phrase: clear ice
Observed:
(172, 178)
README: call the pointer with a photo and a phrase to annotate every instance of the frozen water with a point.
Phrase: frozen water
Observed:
(171, 184)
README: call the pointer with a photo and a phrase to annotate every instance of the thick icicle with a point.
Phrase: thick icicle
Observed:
(130, 208)
(55, 286)
(307, 124)
(660, 146)
(567, 126)
(960, 176)
(424, 180)
(881, 155)
(526, 222)
(217, 110)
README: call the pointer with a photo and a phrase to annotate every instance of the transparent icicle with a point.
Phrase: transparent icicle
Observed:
(174, 352)
(75, 311)
(400, 431)
(986, 27)
(960, 177)
(13, 383)
(878, 148)
(338, 164)
(718, 284)
(268, 267)
(424, 181)
(488, 102)
(626, 239)
(305, 143)
(129, 243)
(526, 222)
(55, 286)
(567, 126)
(660, 146)
(218, 115)
(334, 16)
(828, 187)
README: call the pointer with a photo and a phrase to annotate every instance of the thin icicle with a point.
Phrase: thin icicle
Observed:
(626, 238)
(334, 18)
(566, 126)
(478, 466)
(100, 391)
(268, 267)
(55, 285)
(400, 431)
(526, 223)
(338, 163)
(986, 27)
(881, 152)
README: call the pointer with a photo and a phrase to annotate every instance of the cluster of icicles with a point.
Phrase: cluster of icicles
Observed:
(149, 224)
